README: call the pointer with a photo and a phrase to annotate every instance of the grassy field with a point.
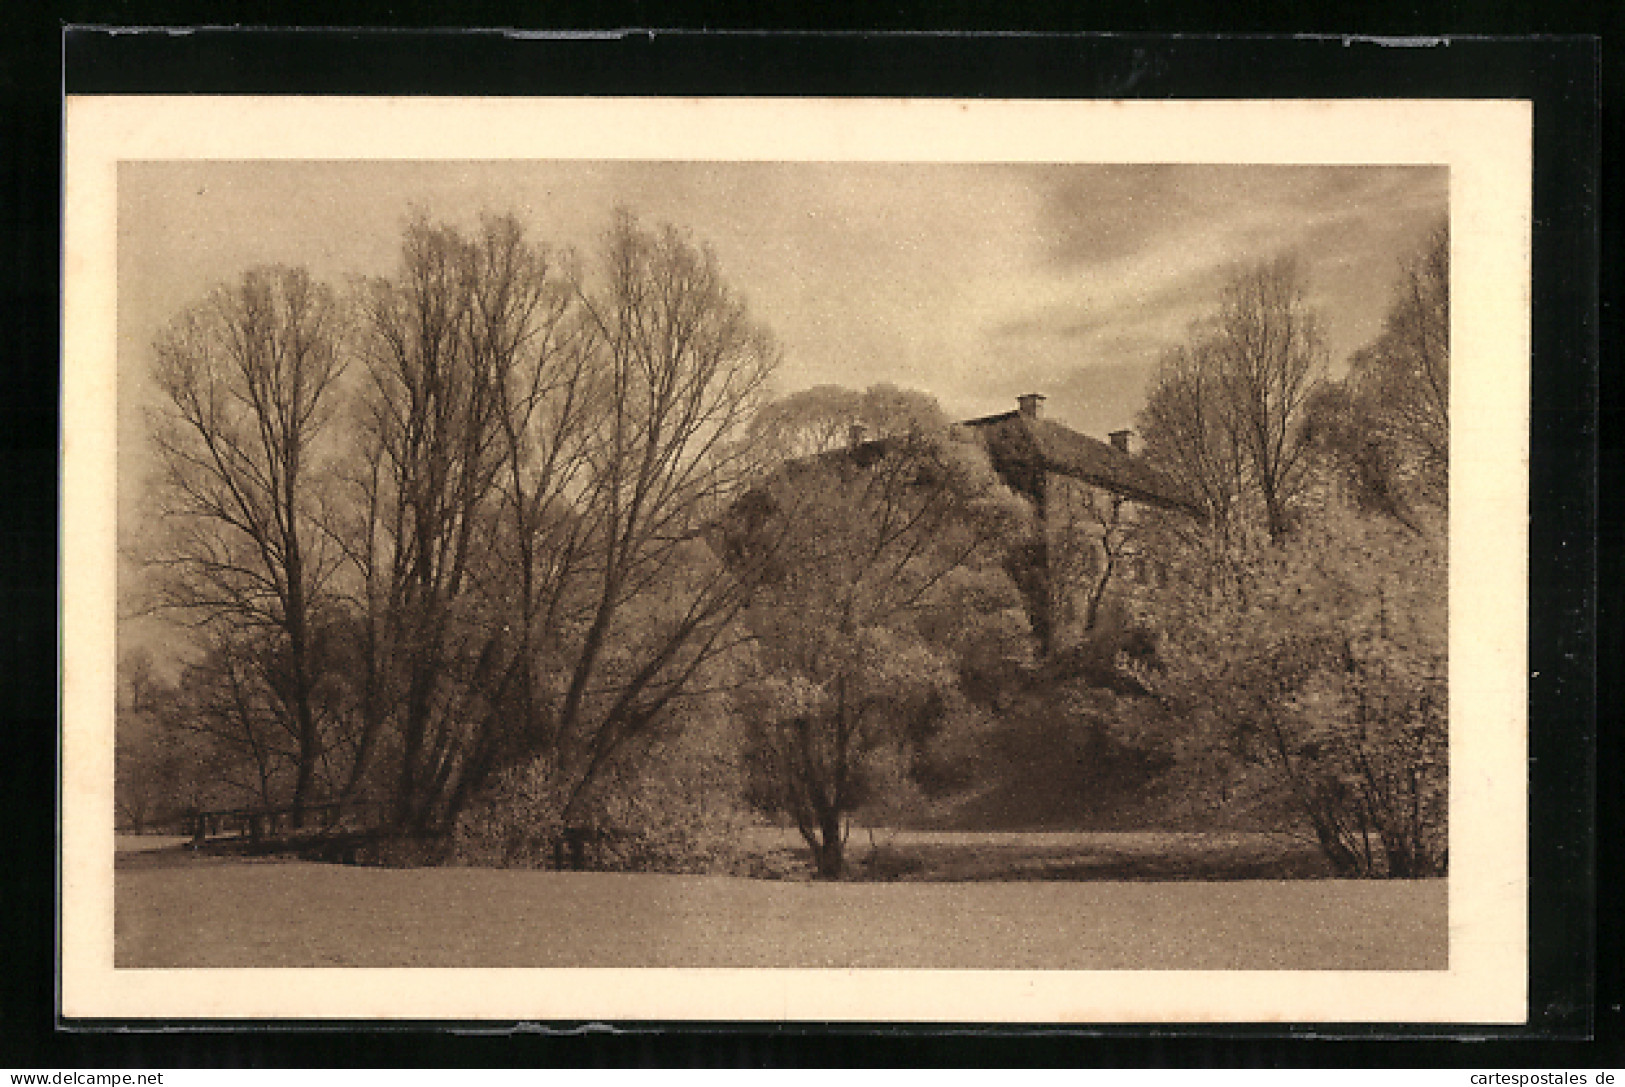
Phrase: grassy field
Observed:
(206, 911)
(961, 856)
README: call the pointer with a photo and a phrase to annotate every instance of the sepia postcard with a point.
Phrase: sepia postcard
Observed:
(795, 560)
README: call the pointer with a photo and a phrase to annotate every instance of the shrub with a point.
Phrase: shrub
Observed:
(517, 823)
(958, 754)
(392, 851)
(672, 806)
(1317, 668)
(686, 818)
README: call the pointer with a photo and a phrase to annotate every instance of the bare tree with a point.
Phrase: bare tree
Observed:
(546, 447)
(241, 745)
(1227, 413)
(1090, 537)
(1401, 382)
(683, 367)
(1270, 356)
(526, 323)
(444, 340)
(1186, 428)
(249, 382)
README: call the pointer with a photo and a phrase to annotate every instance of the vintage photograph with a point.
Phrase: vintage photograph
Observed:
(715, 564)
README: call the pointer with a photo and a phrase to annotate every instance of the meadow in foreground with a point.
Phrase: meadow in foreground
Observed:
(220, 912)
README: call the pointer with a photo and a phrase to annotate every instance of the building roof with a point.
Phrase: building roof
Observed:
(1017, 438)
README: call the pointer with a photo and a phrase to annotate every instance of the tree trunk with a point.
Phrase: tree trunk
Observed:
(1344, 861)
(831, 852)
(1091, 613)
(406, 801)
(1275, 513)
(309, 737)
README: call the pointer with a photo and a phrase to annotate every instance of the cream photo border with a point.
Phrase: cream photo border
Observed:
(1485, 144)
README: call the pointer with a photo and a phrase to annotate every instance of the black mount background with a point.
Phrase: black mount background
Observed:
(1572, 994)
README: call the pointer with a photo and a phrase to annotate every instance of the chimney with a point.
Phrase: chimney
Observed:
(1030, 404)
(1119, 440)
(855, 435)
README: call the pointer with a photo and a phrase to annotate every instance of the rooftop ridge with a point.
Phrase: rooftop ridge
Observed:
(1061, 450)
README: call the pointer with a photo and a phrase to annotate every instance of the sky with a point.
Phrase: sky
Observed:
(975, 283)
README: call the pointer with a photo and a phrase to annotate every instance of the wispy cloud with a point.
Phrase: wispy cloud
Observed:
(973, 282)
(1131, 256)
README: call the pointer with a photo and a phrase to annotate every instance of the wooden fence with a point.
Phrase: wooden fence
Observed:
(257, 824)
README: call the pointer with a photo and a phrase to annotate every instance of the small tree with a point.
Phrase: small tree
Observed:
(1090, 539)
(230, 728)
(146, 772)
(880, 537)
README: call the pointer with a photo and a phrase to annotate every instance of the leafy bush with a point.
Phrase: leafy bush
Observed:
(395, 851)
(672, 806)
(1315, 671)
(957, 755)
(517, 824)
(681, 814)
(1097, 658)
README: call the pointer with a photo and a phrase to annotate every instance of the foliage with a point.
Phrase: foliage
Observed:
(861, 628)
(1097, 659)
(955, 756)
(676, 807)
(1320, 664)
(978, 623)
(809, 422)
(1301, 655)
(516, 823)
(1060, 753)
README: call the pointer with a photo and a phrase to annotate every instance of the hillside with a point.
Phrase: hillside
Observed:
(1053, 759)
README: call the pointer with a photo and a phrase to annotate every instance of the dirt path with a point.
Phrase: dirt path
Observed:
(296, 914)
